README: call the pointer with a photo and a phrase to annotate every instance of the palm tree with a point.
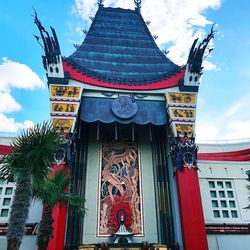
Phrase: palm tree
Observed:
(32, 152)
(54, 192)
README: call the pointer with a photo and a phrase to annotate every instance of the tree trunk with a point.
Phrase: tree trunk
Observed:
(19, 212)
(13, 244)
(45, 230)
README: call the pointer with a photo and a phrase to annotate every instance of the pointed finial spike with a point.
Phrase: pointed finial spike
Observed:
(138, 4)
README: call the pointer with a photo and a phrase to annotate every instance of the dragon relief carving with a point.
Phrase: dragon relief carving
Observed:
(120, 187)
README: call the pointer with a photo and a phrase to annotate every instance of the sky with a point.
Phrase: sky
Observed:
(223, 111)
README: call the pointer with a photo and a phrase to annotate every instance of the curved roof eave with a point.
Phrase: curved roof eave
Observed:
(169, 82)
(119, 52)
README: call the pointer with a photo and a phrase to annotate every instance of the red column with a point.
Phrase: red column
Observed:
(59, 225)
(191, 212)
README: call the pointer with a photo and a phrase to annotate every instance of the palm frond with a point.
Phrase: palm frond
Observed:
(33, 152)
(54, 191)
(77, 204)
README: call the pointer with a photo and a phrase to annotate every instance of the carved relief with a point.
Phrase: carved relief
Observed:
(181, 98)
(65, 91)
(119, 188)
(183, 129)
(183, 113)
(65, 124)
(64, 107)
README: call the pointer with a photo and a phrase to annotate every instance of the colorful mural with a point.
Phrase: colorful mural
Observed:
(184, 128)
(64, 107)
(181, 98)
(65, 91)
(60, 123)
(183, 113)
(119, 188)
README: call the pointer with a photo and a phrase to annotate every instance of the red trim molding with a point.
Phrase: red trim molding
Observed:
(5, 150)
(240, 155)
(191, 212)
(167, 83)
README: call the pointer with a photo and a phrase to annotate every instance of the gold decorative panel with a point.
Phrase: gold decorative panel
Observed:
(65, 124)
(181, 98)
(181, 129)
(62, 92)
(183, 113)
(64, 107)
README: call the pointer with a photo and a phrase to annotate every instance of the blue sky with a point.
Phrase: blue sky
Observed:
(224, 96)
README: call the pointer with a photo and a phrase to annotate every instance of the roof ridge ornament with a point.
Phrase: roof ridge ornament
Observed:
(100, 3)
(138, 5)
(49, 43)
(194, 66)
(196, 55)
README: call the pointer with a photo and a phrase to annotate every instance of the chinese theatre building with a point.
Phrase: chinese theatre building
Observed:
(128, 113)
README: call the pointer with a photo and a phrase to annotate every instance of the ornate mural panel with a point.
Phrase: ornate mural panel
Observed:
(119, 188)
(183, 113)
(181, 98)
(65, 124)
(65, 91)
(64, 107)
(184, 128)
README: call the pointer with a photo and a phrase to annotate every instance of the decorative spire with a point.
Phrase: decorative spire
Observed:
(138, 4)
(50, 43)
(196, 55)
(100, 3)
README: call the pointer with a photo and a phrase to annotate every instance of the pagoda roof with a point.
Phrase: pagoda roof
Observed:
(119, 50)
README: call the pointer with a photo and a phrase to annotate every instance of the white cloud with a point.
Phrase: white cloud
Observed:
(176, 22)
(18, 75)
(8, 103)
(15, 75)
(9, 125)
(231, 125)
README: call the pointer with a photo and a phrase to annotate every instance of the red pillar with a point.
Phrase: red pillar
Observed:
(191, 212)
(59, 225)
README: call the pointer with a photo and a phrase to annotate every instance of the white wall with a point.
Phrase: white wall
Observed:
(225, 171)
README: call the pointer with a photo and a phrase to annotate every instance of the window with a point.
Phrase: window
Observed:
(223, 203)
(6, 201)
(228, 184)
(6, 194)
(8, 191)
(219, 184)
(4, 213)
(221, 194)
(223, 199)
(213, 194)
(232, 204)
(211, 184)
(225, 214)
(216, 214)
(215, 204)
(234, 214)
